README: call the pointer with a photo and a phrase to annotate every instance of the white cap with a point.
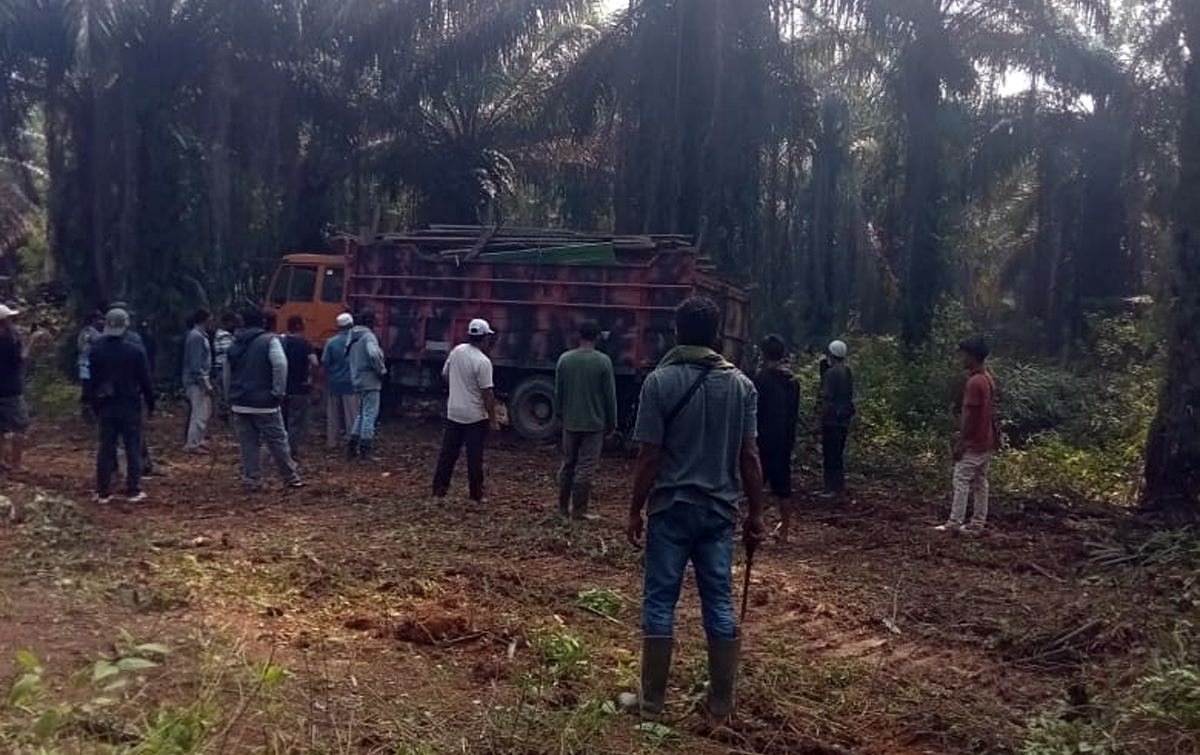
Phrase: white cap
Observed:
(838, 349)
(480, 328)
(6, 312)
(116, 322)
(345, 320)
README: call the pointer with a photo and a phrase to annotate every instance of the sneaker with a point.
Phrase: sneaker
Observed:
(137, 497)
(103, 500)
(296, 484)
(949, 527)
(974, 528)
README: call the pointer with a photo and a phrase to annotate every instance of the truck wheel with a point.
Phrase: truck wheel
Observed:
(531, 410)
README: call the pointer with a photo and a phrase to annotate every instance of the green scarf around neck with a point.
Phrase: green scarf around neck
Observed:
(701, 355)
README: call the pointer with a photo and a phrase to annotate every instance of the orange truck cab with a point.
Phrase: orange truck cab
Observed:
(312, 286)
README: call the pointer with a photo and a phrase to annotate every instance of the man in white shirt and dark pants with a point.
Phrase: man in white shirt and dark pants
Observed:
(470, 411)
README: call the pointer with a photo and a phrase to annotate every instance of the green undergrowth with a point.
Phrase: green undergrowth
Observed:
(1073, 427)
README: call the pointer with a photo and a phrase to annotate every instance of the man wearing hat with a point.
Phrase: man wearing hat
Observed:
(14, 415)
(341, 403)
(120, 383)
(977, 441)
(835, 410)
(470, 410)
(368, 368)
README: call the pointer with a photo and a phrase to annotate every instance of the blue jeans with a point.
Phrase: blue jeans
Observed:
(686, 532)
(368, 415)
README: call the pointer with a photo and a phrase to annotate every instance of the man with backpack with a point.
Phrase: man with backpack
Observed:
(977, 441)
(698, 456)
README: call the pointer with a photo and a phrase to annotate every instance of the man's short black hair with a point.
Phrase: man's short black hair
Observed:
(271, 320)
(200, 317)
(976, 347)
(295, 324)
(366, 318)
(252, 317)
(774, 348)
(697, 322)
(589, 330)
(231, 321)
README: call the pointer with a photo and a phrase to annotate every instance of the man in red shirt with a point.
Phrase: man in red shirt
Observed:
(977, 440)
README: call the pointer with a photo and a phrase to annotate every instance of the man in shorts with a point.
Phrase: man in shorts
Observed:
(14, 414)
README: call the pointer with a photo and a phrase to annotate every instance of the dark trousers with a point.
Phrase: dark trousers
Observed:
(833, 447)
(128, 429)
(295, 420)
(455, 436)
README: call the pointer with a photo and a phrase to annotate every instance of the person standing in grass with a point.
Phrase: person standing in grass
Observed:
(256, 383)
(835, 409)
(197, 367)
(585, 397)
(341, 403)
(977, 441)
(697, 429)
(778, 415)
(120, 384)
(470, 411)
(302, 361)
(367, 371)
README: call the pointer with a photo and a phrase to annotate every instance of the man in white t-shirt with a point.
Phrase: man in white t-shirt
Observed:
(470, 411)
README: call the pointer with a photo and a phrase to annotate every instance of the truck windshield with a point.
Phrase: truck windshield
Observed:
(280, 287)
(304, 284)
(331, 286)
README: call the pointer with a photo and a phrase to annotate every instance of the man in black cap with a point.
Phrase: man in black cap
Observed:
(120, 383)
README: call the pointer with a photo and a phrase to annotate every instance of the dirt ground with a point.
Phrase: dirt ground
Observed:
(401, 627)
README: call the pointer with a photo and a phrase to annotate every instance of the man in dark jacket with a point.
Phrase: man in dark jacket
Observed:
(256, 383)
(835, 410)
(778, 413)
(120, 382)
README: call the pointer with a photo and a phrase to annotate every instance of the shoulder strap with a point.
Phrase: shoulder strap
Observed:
(687, 397)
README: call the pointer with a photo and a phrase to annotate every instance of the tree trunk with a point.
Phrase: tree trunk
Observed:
(1173, 448)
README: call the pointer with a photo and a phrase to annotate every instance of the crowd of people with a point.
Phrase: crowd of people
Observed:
(709, 437)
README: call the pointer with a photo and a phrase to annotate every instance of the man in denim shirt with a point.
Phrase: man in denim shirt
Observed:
(697, 427)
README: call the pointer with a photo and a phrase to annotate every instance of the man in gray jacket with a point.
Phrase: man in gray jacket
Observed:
(256, 383)
(367, 370)
(197, 364)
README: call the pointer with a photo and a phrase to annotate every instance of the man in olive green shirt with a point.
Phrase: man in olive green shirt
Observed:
(585, 400)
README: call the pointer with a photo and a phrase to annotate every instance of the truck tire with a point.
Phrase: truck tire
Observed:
(531, 409)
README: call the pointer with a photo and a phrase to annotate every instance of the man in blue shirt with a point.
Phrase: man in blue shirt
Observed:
(341, 402)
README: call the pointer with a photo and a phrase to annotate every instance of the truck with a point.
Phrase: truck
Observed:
(534, 286)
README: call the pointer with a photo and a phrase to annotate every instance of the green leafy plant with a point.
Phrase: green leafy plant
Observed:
(1054, 735)
(607, 603)
(560, 649)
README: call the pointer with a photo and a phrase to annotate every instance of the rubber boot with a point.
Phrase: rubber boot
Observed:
(352, 447)
(581, 497)
(656, 667)
(722, 677)
(564, 497)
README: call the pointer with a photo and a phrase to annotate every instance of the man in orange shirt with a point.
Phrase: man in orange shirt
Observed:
(977, 441)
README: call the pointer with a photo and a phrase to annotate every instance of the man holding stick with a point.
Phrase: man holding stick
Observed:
(697, 428)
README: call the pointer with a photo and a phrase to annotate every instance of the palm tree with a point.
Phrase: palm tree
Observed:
(937, 49)
(1173, 449)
